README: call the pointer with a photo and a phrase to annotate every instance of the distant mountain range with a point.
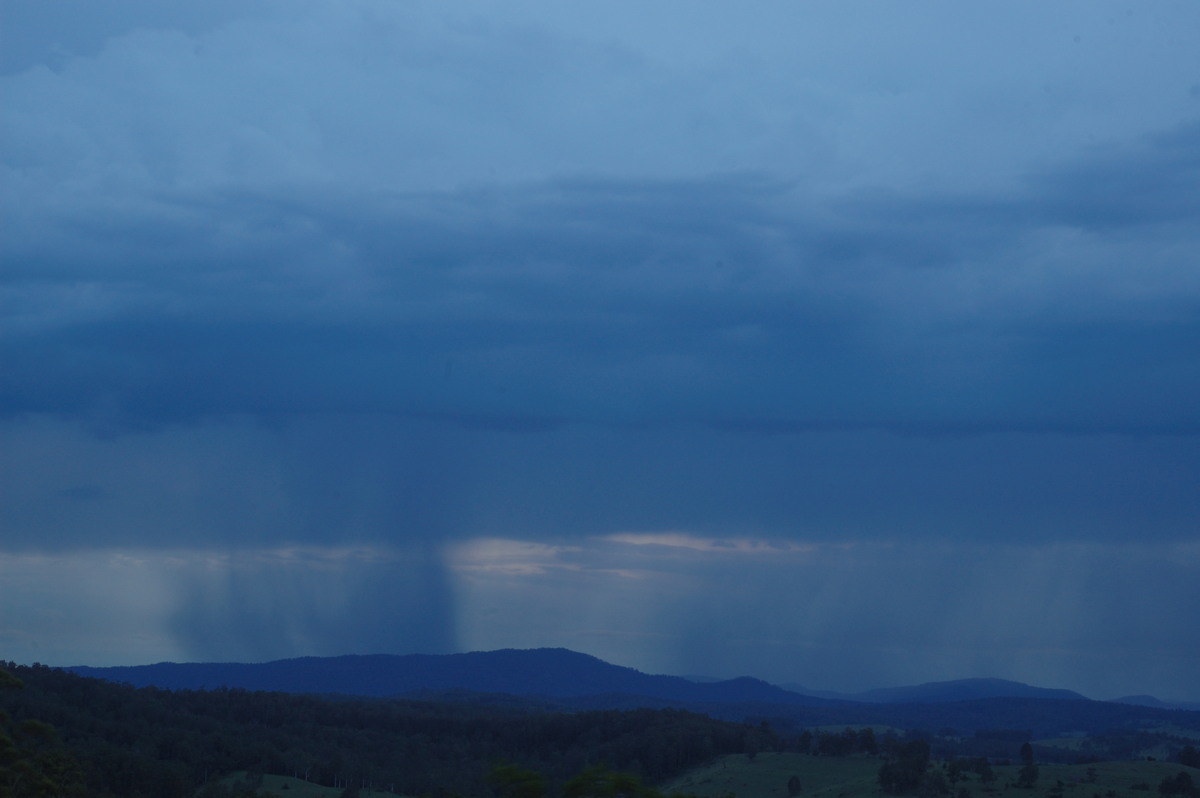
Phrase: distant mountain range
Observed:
(938, 692)
(1151, 701)
(545, 672)
(572, 679)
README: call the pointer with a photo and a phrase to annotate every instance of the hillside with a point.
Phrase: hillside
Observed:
(546, 672)
(117, 740)
(98, 738)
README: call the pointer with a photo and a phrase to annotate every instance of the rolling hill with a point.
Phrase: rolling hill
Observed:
(545, 672)
(556, 678)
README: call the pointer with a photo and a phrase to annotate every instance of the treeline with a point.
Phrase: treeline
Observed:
(844, 743)
(1042, 718)
(114, 740)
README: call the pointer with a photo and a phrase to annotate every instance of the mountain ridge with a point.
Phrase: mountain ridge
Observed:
(564, 680)
(1151, 701)
(549, 672)
(952, 690)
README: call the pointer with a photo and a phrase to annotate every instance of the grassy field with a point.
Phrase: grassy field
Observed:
(288, 787)
(766, 776)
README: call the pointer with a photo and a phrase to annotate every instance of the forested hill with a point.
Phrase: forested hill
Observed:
(566, 680)
(98, 738)
(548, 672)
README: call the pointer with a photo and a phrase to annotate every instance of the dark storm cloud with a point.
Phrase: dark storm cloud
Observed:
(233, 483)
(387, 326)
(668, 329)
(376, 480)
(732, 301)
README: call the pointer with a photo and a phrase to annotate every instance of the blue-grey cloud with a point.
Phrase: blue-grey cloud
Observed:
(721, 301)
(367, 479)
(363, 274)
(53, 32)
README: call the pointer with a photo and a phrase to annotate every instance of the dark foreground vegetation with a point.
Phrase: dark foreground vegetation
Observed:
(96, 738)
(67, 735)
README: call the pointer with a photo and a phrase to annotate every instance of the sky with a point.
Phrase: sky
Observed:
(840, 344)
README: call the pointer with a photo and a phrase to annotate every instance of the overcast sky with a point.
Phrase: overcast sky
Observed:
(836, 343)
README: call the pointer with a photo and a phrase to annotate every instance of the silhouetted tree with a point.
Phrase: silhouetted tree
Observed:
(600, 782)
(32, 762)
(1179, 784)
(1028, 775)
(905, 772)
(933, 784)
(510, 781)
(1026, 753)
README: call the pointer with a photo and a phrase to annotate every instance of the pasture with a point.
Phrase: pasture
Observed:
(767, 775)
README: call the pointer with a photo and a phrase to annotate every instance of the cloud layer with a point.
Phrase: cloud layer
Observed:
(378, 276)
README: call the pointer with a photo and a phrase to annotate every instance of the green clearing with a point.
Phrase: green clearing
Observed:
(1065, 743)
(289, 787)
(766, 776)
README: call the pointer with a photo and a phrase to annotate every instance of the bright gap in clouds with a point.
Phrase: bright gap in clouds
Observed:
(683, 540)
